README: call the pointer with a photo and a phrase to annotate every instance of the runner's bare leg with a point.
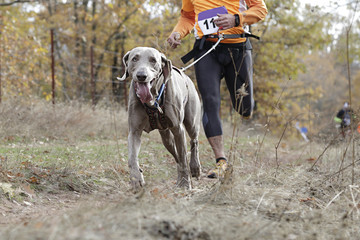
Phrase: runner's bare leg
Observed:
(217, 145)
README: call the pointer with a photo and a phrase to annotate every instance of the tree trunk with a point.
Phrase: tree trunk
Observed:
(118, 67)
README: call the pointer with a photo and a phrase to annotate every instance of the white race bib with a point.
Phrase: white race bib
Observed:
(206, 20)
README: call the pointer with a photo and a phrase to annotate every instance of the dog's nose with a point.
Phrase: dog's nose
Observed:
(141, 76)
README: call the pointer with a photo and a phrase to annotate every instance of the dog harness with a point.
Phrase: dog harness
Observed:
(157, 115)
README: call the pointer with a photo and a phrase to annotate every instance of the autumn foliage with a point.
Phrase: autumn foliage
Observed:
(300, 62)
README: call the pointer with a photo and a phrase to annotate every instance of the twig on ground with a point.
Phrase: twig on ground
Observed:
(277, 146)
(326, 148)
(351, 164)
(268, 123)
(343, 157)
(257, 207)
(333, 199)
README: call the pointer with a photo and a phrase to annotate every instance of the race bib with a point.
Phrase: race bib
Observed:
(206, 20)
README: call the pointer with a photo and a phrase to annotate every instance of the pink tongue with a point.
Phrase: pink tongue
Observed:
(143, 92)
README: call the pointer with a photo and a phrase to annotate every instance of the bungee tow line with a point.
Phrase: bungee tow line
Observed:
(212, 48)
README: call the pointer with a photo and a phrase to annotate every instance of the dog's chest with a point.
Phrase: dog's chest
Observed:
(157, 120)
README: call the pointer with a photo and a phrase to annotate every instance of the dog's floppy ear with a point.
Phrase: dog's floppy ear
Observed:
(166, 67)
(125, 61)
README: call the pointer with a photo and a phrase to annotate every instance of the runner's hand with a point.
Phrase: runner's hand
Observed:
(174, 40)
(225, 21)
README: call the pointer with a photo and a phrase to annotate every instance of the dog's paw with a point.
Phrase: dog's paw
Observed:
(137, 184)
(195, 170)
(184, 182)
(195, 173)
(137, 180)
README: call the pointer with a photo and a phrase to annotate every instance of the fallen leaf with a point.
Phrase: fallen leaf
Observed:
(26, 164)
(19, 175)
(155, 191)
(10, 175)
(33, 180)
(307, 199)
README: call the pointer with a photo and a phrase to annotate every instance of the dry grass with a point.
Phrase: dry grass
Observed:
(40, 119)
(263, 198)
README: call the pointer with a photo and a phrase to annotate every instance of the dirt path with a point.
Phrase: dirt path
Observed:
(41, 214)
(266, 202)
(251, 206)
(13, 212)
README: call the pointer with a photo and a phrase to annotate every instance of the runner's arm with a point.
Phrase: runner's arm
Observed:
(256, 12)
(187, 19)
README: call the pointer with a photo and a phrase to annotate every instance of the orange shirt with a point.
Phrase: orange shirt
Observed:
(190, 10)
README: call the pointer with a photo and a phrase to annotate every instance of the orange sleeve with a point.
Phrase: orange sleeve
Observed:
(187, 19)
(256, 12)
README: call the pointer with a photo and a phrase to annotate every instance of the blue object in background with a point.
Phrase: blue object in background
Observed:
(303, 130)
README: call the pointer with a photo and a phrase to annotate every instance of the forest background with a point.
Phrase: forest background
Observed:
(305, 66)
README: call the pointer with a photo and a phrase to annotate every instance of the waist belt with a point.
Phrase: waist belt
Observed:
(200, 44)
(225, 36)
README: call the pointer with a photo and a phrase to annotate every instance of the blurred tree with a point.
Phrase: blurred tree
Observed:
(294, 40)
(289, 33)
(22, 55)
(356, 90)
(324, 76)
(9, 3)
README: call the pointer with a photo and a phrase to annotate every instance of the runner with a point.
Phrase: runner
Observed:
(231, 59)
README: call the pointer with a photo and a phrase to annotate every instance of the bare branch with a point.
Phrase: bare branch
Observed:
(16, 1)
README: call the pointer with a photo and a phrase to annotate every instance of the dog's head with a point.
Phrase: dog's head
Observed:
(148, 69)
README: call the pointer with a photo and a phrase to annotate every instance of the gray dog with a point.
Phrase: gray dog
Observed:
(161, 97)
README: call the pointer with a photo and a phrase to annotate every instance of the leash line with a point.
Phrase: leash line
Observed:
(211, 49)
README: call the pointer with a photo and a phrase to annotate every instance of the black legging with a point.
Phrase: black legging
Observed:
(209, 72)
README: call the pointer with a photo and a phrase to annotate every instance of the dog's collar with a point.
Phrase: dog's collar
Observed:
(159, 96)
(156, 103)
(159, 100)
(156, 112)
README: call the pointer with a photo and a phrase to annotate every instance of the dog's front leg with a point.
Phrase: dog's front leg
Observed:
(182, 164)
(134, 143)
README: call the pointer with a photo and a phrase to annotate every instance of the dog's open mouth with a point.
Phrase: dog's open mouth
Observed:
(143, 91)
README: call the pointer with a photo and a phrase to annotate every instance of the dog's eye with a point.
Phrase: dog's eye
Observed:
(152, 60)
(135, 59)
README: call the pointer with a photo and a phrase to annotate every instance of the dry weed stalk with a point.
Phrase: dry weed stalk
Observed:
(334, 198)
(341, 170)
(240, 94)
(267, 124)
(344, 155)
(277, 146)
(326, 148)
(348, 29)
(353, 200)
(261, 199)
